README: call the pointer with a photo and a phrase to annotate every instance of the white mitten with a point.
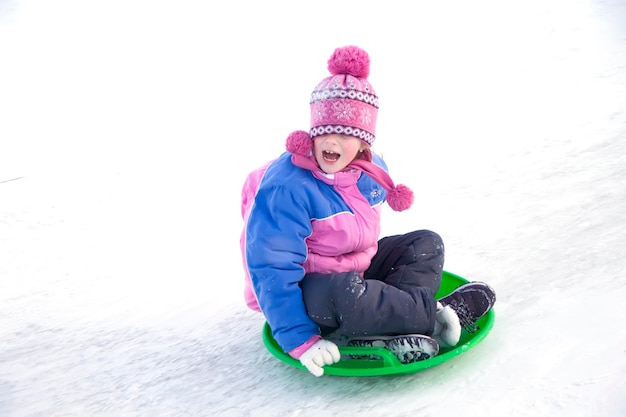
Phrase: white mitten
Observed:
(447, 326)
(322, 353)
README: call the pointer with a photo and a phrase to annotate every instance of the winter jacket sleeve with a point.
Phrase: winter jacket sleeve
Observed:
(275, 249)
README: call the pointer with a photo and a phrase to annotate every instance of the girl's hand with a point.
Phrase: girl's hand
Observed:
(447, 326)
(322, 353)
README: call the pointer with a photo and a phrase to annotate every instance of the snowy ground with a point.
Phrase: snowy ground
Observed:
(127, 127)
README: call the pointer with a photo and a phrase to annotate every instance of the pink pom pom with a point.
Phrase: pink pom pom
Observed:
(299, 142)
(349, 60)
(400, 198)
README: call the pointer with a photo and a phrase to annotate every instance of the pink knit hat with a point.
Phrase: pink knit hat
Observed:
(345, 102)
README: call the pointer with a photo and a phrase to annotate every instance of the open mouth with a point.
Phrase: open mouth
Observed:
(330, 156)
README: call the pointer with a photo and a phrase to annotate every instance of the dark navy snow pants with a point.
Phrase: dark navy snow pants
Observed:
(394, 296)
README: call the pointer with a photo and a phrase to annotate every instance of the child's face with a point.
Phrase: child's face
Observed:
(334, 152)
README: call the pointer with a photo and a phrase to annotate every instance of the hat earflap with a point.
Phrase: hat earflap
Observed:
(399, 197)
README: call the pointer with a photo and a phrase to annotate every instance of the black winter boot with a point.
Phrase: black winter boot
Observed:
(470, 301)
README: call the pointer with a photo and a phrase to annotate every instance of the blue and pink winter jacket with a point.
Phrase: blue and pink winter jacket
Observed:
(298, 221)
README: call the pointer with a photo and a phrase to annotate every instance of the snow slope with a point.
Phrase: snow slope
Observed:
(127, 127)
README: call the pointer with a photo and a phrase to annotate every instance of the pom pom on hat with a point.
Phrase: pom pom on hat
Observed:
(299, 142)
(400, 198)
(349, 60)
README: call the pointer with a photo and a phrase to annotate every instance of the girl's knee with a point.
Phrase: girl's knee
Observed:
(429, 235)
(427, 241)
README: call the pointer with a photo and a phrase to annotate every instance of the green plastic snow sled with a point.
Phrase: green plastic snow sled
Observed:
(385, 362)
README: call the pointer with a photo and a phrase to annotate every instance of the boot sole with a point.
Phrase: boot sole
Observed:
(407, 348)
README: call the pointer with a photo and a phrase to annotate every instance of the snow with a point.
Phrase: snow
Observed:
(127, 128)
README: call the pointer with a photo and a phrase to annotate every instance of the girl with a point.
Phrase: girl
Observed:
(310, 248)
